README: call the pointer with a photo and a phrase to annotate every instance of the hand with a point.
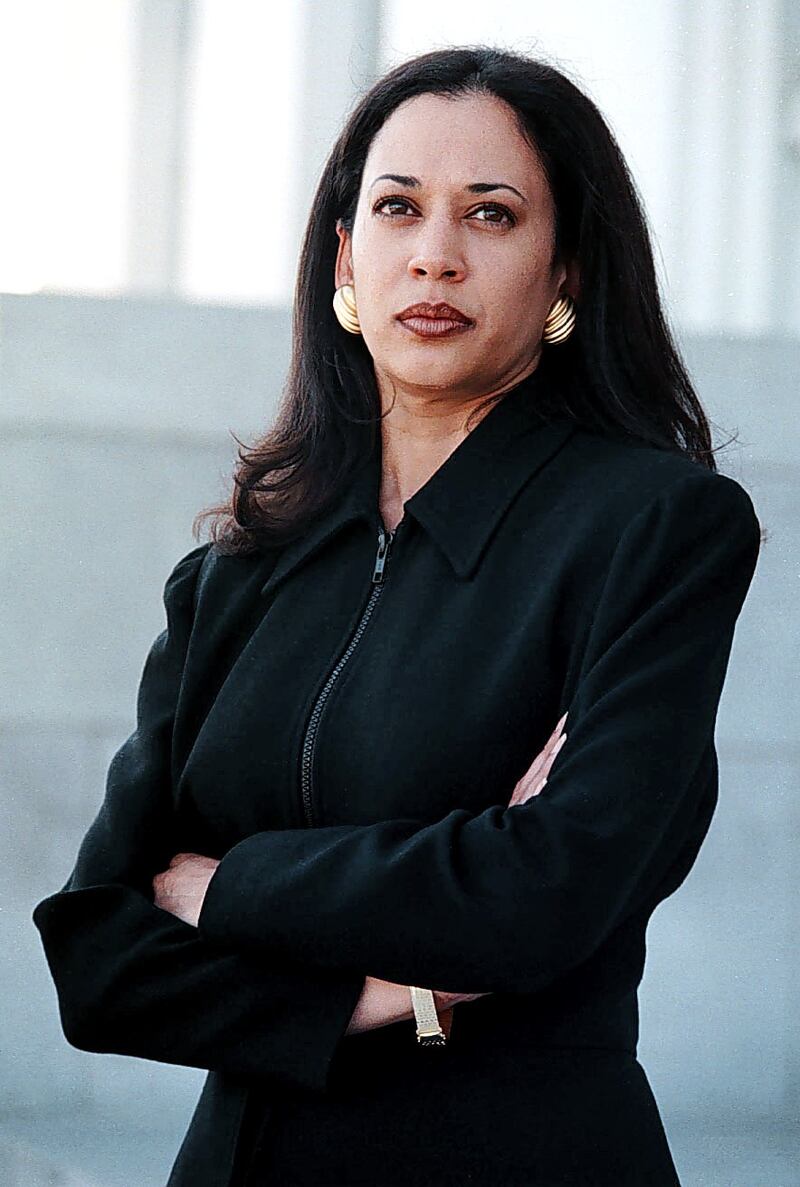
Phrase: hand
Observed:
(535, 777)
(182, 888)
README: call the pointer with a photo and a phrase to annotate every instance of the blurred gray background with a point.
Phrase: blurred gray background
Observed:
(160, 157)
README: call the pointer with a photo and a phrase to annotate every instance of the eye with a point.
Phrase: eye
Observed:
(497, 209)
(492, 207)
(378, 207)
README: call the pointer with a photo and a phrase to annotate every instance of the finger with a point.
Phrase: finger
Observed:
(522, 795)
(554, 739)
(537, 766)
(551, 757)
(524, 789)
(541, 769)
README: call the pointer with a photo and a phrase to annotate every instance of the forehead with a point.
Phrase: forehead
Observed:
(440, 138)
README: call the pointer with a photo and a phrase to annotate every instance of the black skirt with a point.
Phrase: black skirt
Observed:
(399, 1115)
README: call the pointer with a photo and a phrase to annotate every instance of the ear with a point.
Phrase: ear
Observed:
(566, 279)
(343, 273)
(572, 280)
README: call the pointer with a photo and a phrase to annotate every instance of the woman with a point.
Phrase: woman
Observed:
(487, 521)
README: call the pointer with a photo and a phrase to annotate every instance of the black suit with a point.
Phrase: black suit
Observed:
(348, 748)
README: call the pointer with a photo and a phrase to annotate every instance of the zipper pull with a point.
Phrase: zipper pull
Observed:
(384, 541)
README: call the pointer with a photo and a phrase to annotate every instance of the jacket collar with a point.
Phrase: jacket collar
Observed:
(463, 501)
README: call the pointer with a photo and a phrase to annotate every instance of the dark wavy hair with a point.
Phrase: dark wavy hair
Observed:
(620, 371)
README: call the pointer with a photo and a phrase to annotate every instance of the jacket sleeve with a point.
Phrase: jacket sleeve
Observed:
(134, 979)
(511, 898)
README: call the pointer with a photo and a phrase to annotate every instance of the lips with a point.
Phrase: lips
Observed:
(440, 311)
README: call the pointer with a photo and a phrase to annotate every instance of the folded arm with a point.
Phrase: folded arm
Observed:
(513, 897)
(135, 980)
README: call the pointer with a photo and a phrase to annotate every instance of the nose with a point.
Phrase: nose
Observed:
(437, 254)
(436, 266)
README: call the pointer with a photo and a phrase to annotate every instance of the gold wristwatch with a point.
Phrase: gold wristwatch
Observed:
(429, 1031)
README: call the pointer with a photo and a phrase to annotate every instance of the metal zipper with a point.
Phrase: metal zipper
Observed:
(385, 541)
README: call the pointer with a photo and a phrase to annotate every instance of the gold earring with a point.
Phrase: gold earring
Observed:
(560, 321)
(344, 306)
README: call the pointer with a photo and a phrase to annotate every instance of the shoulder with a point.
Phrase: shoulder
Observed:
(185, 571)
(604, 501)
(205, 567)
(212, 598)
(629, 480)
(181, 583)
(215, 590)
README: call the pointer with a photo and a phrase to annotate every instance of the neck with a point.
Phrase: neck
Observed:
(419, 431)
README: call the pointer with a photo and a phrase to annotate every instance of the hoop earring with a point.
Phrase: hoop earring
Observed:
(344, 306)
(560, 321)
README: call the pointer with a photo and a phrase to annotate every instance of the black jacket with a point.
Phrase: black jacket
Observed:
(343, 724)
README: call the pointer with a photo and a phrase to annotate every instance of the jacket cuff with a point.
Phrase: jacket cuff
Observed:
(314, 1029)
(230, 894)
(315, 1023)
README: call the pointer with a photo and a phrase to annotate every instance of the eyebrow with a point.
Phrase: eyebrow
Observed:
(476, 187)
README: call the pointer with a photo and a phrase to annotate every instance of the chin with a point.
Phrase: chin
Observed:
(430, 368)
(437, 379)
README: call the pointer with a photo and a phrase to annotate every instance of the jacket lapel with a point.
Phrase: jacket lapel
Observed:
(465, 499)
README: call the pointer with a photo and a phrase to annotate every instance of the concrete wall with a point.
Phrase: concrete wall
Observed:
(116, 419)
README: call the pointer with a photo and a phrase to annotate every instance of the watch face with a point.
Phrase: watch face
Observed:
(432, 1040)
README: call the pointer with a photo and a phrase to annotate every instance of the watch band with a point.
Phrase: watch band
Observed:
(429, 1031)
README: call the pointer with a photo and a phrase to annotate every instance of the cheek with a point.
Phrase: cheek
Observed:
(383, 259)
(516, 264)
(381, 290)
(520, 287)
(372, 268)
